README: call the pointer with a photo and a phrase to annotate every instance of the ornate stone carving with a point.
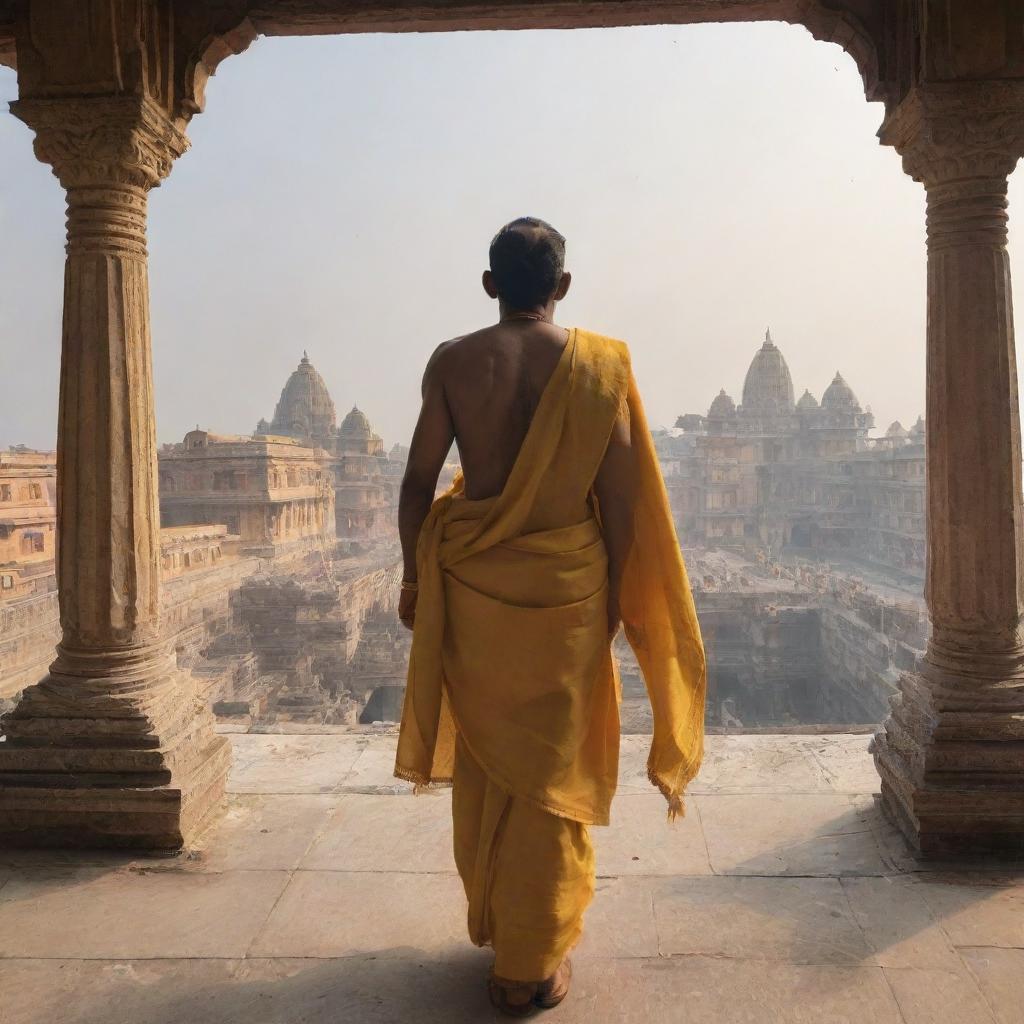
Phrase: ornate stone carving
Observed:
(103, 141)
(949, 752)
(114, 746)
(954, 130)
(208, 55)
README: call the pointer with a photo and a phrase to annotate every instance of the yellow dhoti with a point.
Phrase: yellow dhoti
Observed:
(529, 875)
(512, 691)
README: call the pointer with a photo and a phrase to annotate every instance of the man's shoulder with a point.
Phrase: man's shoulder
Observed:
(455, 359)
(602, 347)
(444, 354)
(462, 346)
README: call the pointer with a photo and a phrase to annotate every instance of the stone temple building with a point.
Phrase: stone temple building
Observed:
(27, 523)
(785, 474)
(305, 409)
(366, 498)
(366, 489)
(271, 492)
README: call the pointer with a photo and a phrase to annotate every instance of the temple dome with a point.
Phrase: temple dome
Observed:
(722, 405)
(807, 403)
(896, 429)
(356, 436)
(768, 387)
(839, 396)
(355, 424)
(917, 430)
(305, 409)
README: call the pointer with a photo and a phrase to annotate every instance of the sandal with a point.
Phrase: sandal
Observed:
(551, 992)
(512, 998)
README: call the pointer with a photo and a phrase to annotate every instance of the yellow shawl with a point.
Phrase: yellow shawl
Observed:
(510, 643)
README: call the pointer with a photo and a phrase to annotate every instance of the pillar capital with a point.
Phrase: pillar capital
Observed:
(951, 131)
(95, 142)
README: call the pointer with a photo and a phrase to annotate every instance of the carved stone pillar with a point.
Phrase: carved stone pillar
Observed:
(113, 747)
(951, 755)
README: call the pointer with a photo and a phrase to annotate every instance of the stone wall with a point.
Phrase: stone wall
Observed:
(196, 607)
(789, 647)
(867, 641)
(29, 631)
(292, 639)
(324, 646)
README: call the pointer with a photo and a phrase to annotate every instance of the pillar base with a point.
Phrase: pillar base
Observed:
(136, 765)
(951, 761)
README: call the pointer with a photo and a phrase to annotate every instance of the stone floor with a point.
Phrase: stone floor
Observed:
(328, 895)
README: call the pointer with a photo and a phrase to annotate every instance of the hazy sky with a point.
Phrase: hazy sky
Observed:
(340, 194)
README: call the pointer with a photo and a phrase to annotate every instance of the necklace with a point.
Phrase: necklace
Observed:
(525, 316)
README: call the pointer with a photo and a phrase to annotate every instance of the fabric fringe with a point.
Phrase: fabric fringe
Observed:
(676, 800)
(676, 807)
(420, 783)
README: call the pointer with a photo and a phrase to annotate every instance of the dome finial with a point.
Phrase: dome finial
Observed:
(768, 343)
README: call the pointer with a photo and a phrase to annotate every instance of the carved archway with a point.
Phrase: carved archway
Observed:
(868, 30)
(181, 44)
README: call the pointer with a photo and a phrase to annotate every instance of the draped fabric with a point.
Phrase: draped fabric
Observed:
(528, 875)
(510, 650)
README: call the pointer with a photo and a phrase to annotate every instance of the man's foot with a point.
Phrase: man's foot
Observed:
(512, 998)
(551, 992)
(523, 998)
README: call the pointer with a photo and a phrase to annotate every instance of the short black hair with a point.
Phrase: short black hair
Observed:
(527, 261)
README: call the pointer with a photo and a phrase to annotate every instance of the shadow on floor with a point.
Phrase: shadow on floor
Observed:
(893, 901)
(386, 989)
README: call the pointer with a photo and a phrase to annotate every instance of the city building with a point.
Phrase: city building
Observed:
(790, 475)
(273, 493)
(27, 522)
(364, 480)
(366, 497)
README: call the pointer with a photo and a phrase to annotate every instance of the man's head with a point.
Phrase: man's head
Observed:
(527, 265)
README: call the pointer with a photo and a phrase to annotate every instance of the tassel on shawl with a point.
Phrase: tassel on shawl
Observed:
(676, 800)
(676, 808)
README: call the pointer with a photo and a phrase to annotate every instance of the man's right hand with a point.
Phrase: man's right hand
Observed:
(614, 620)
(407, 608)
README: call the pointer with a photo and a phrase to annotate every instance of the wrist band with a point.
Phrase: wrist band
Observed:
(410, 585)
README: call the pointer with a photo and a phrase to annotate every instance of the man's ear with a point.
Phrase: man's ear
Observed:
(563, 287)
(489, 286)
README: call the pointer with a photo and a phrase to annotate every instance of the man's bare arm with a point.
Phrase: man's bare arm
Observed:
(431, 442)
(615, 488)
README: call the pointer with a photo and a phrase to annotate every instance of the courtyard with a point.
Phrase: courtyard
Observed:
(328, 893)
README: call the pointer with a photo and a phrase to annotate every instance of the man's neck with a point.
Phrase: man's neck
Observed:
(544, 312)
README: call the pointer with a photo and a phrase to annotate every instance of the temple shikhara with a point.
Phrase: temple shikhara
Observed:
(805, 475)
(281, 608)
(365, 479)
(200, 655)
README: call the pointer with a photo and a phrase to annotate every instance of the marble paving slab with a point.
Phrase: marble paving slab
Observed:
(327, 893)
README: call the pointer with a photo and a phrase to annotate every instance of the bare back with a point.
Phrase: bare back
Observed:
(493, 381)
